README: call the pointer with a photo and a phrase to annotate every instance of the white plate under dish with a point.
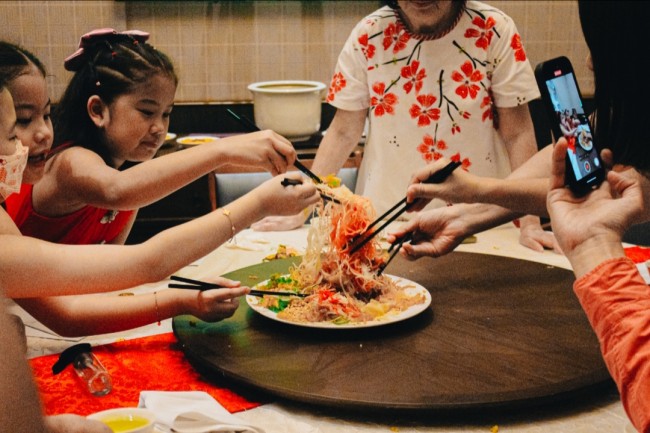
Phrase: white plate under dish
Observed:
(411, 288)
(193, 140)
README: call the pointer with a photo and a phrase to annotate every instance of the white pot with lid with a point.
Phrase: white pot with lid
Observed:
(291, 108)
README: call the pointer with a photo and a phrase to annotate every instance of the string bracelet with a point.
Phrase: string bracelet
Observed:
(226, 213)
(155, 299)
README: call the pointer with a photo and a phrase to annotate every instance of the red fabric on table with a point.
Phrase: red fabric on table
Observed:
(148, 363)
(638, 254)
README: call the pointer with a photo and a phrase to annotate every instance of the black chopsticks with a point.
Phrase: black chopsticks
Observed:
(361, 239)
(253, 127)
(286, 182)
(203, 285)
(395, 247)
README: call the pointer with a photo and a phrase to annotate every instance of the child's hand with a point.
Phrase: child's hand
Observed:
(263, 149)
(218, 304)
(277, 199)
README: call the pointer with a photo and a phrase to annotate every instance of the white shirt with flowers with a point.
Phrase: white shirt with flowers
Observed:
(431, 98)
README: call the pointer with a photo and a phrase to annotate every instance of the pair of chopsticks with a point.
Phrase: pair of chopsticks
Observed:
(203, 285)
(286, 182)
(253, 127)
(394, 249)
(361, 239)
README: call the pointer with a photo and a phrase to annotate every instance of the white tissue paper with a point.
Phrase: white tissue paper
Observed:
(193, 412)
(643, 270)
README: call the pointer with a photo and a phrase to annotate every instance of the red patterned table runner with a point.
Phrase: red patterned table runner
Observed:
(148, 363)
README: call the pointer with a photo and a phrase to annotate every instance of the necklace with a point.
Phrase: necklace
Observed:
(441, 29)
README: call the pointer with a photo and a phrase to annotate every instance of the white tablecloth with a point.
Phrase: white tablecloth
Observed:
(602, 413)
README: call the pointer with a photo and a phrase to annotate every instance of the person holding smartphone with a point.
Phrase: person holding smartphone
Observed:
(620, 134)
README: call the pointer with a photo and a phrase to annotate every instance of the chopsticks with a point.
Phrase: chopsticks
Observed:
(395, 247)
(253, 127)
(363, 238)
(203, 285)
(286, 182)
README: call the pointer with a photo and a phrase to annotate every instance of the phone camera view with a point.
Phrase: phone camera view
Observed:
(574, 124)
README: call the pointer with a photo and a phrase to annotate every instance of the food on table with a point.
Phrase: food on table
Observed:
(342, 287)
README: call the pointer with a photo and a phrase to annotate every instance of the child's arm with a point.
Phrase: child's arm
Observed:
(35, 268)
(81, 315)
(78, 176)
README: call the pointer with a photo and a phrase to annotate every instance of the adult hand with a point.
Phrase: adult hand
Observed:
(218, 304)
(533, 236)
(434, 233)
(263, 149)
(459, 187)
(74, 424)
(279, 223)
(589, 229)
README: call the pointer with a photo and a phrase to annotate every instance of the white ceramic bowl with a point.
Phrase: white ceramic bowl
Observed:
(291, 108)
(126, 419)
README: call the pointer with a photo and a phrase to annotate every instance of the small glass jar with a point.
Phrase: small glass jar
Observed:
(87, 366)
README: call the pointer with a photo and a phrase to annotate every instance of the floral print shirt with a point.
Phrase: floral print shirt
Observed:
(428, 99)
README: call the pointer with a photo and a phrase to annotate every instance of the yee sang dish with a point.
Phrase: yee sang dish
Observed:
(343, 288)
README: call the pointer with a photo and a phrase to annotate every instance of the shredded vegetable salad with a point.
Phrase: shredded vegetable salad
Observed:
(342, 287)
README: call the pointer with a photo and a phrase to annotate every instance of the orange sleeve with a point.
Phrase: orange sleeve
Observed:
(617, 302)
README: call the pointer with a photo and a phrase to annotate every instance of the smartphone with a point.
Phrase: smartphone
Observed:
(563, 103)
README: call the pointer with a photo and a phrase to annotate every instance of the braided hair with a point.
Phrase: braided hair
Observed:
(108, 65)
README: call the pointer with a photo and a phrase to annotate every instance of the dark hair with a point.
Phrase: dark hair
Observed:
(112, 67)
(615, 32)
(15, 60)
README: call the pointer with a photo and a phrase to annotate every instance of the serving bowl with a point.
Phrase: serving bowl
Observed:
(127, 419)
(291, 108)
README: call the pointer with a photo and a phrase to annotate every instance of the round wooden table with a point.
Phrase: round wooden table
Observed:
(500, 332)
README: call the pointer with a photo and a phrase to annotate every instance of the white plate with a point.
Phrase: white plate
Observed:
(170, 136)
(193, 140)
(413, 288)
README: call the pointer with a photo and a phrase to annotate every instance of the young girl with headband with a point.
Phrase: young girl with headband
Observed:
(69, 270)
(115, 112)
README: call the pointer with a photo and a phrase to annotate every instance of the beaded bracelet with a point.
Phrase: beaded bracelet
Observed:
(226, 213)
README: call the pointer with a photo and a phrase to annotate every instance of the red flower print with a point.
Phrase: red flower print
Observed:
(465, 163)
(383, 103)
(483, 33)
(413, 76)
(465, 114)
(518, 47)
(430, 147)
(487, 114)
(368, 50)
(467, 78)
(455, 128)
(423, 112)
(337, 84)
(395, 34)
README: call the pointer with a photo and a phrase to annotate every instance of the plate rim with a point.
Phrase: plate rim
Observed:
(198, 136)
(409, 313)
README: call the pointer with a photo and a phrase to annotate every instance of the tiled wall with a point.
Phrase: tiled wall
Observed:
(219, 47)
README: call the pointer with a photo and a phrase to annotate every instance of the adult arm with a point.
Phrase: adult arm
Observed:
(81, 315)
(40, 268)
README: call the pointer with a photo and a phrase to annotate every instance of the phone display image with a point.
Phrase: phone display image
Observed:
(561, 95)
(574, 124)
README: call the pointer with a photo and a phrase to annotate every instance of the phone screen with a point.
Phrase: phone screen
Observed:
(574, 125)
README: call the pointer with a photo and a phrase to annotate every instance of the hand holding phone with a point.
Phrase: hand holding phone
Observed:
(563, 103)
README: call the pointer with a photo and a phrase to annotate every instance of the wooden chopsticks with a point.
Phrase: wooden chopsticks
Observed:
(361, 239)
(203, 285)
(253, 127)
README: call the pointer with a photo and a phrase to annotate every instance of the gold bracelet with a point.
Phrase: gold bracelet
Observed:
(226, 213)
(155, 299)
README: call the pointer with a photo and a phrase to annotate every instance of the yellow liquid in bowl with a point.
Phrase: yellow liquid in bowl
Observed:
(125, 423)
